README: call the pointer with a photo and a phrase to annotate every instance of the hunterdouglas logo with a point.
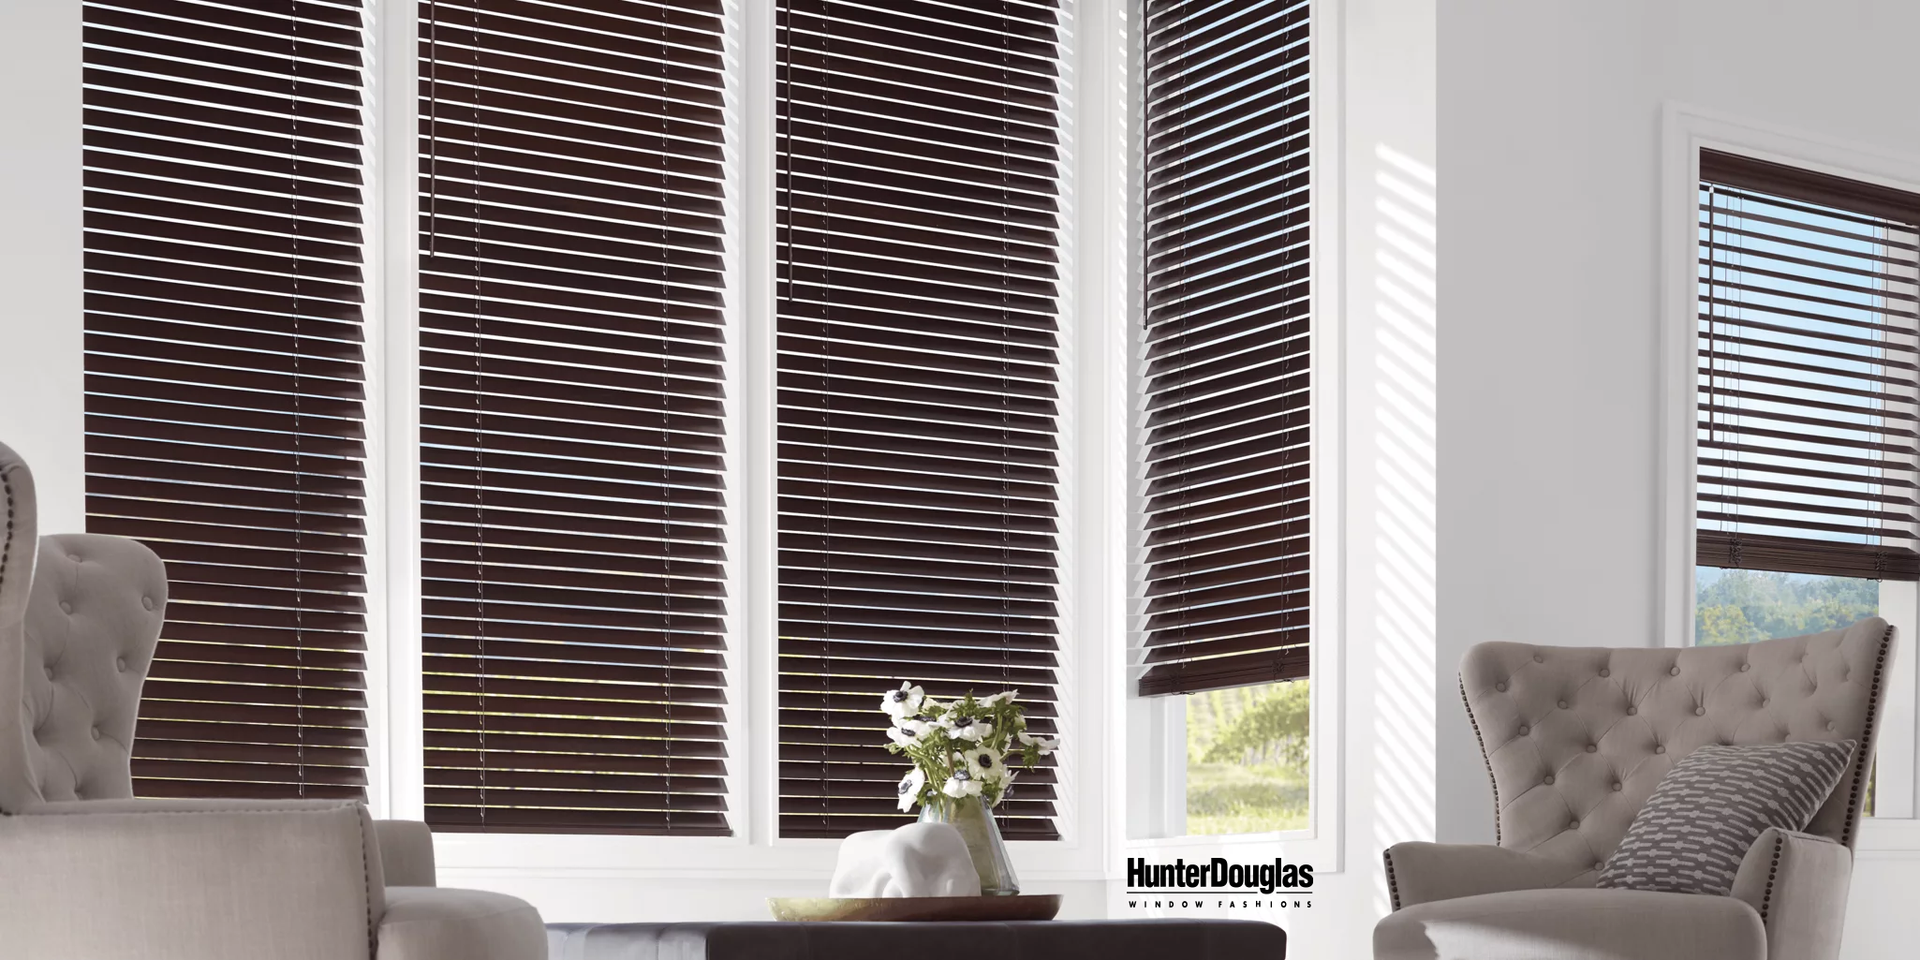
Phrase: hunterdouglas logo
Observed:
(1218, 876)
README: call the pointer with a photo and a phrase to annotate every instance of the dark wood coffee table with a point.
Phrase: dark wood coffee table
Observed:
(984, 940)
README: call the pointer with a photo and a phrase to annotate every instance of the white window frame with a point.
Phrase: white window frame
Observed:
(1093, 503)
(1156, 742)
(1688, 130)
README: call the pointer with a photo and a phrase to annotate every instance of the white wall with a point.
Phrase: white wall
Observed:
(1550, 127)
(1548, 111)
(40, 318)
(1390, 194)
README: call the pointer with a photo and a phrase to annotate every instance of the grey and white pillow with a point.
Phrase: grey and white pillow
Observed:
(1710, 808)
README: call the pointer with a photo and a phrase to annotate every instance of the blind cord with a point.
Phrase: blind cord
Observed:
(1006, 373)
(666, 436)
(480, 393)
(299, 466)
(1183, 394)
(827, 452)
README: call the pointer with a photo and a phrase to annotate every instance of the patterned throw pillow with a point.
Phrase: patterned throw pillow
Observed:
(1708, 810)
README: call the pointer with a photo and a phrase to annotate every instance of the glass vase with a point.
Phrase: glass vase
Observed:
(970, 816)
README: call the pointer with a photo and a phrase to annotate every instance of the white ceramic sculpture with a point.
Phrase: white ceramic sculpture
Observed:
(917, 860)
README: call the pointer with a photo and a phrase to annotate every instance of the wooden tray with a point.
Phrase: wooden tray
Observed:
(906, 909)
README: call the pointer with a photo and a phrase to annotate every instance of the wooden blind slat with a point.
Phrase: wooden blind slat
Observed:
(919, 166)
(1227, 385)
(225, 178)
(1808, 285)
(573, 416)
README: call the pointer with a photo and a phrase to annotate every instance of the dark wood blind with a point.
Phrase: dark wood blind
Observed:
(919, 160)
(573, 441)
(225, 190)
(1809, 333)
(1227, 345)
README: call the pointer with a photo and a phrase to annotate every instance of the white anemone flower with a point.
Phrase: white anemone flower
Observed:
(1045, 744)
(904, 702)
(963, 726)
(984, 763)
(1006, 787)
(1004, 696)
(910, 788)
(905, 738)
(961, 784)
(918, 724)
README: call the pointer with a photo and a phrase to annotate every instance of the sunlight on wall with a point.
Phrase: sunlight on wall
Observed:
(1404, 224)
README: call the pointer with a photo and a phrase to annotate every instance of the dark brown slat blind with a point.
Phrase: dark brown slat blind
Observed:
(1809, 338)
(225, 189)
(572, 344)
(1227, 343)
(919, 157)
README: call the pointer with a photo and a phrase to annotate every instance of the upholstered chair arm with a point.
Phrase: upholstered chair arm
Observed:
(1798, 882)
(1422, 872)
(406, 852)
(191, 880)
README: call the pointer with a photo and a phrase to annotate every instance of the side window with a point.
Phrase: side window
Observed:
(1225, 453)
(1807, 347)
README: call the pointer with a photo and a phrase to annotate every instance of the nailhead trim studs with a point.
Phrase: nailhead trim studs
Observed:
(1773, 872)
(1866, 740)
(1482, 741)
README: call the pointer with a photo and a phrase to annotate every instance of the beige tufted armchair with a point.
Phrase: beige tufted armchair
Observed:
(1576, 739)
(90, 873)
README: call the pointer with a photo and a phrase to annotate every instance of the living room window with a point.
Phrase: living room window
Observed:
(1225, 397)
(573, 416)
(472, 378)
(920, 162)
(226, 237)
(1807, 336)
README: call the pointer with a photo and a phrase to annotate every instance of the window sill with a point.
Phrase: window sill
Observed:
(1888, 838)
(1232, 840)
(704, 858)
(1293, 846)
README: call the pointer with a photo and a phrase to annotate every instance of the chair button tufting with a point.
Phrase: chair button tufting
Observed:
(1745, 667)
(49, 671)
(1597, 864)
(1548, 781)
(1632, 710)
(1539, 659)
(120, 664)
(1591, 747)
(1524, 729)
(66, 607)
(1764, 701)
(1829, 726)
(1575, 825)
(147, 602)
(1500, 687)
(1660, 749)
(1616, 786)
(1605, 673)
(1699, 711)
(1674, 672)
(96, 733)
(1563, 704)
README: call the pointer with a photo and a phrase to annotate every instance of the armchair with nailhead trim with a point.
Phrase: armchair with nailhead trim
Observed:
(91, 873)
(1576, 739)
